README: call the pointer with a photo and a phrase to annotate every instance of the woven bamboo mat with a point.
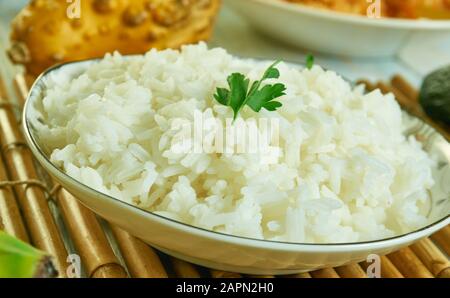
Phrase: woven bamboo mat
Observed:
(35, 210)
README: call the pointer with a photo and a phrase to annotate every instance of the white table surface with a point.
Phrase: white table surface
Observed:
(233, 33)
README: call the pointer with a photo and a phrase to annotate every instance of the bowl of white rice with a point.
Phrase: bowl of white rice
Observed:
(335, 175)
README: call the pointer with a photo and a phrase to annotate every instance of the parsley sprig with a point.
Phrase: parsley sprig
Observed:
(309, 61)
(239, 94)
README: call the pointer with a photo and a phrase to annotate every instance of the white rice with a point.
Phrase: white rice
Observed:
(345, 171)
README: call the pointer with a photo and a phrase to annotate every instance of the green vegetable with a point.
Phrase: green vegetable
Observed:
(309, 61)
(20, 260)
(435, 95)
(238, 95)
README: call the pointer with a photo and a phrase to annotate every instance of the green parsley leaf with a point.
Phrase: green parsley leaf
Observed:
(270, 73)
(264, 98)
(222, 96)
(309, 61)
(238, 95)
(238, 92)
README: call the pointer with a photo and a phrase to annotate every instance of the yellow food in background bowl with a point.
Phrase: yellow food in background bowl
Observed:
(410, 9)
(330, 32)
(47, 32)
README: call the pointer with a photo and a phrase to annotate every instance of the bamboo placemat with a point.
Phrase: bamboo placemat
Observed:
(35, 210)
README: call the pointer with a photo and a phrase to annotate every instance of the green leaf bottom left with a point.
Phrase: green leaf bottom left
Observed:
(18, 259)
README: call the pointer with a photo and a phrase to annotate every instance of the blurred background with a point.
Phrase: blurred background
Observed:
(419, 54)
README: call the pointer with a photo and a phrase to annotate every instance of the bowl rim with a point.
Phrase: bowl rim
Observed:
(229, 238)
(354, 19)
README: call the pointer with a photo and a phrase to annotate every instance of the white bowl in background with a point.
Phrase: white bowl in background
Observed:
(222, 251)
(334, 32)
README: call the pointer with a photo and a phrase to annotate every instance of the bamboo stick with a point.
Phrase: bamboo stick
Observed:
(298, 275)
(409, 264)
(89, 239)
(29, 79)
(403, 86)
(260, 276)
(442, 238)
(432, 257)
(112, 270)
(388, 270)
(224, 274)
(141, 259)
(324, 273)
(21, 87)
(368, 84)
(303, 275)
(350, 271)
(184, 269)
(31, 198)
(3, 92)
(10, 218)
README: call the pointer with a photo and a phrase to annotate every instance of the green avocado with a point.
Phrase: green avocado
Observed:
(435, 95)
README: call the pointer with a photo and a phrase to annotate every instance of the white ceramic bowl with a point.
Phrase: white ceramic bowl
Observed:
(333, 32)
(221, 251)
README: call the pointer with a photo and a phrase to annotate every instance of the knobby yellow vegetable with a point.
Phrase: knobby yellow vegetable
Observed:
(20, 260)
(71, 32)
